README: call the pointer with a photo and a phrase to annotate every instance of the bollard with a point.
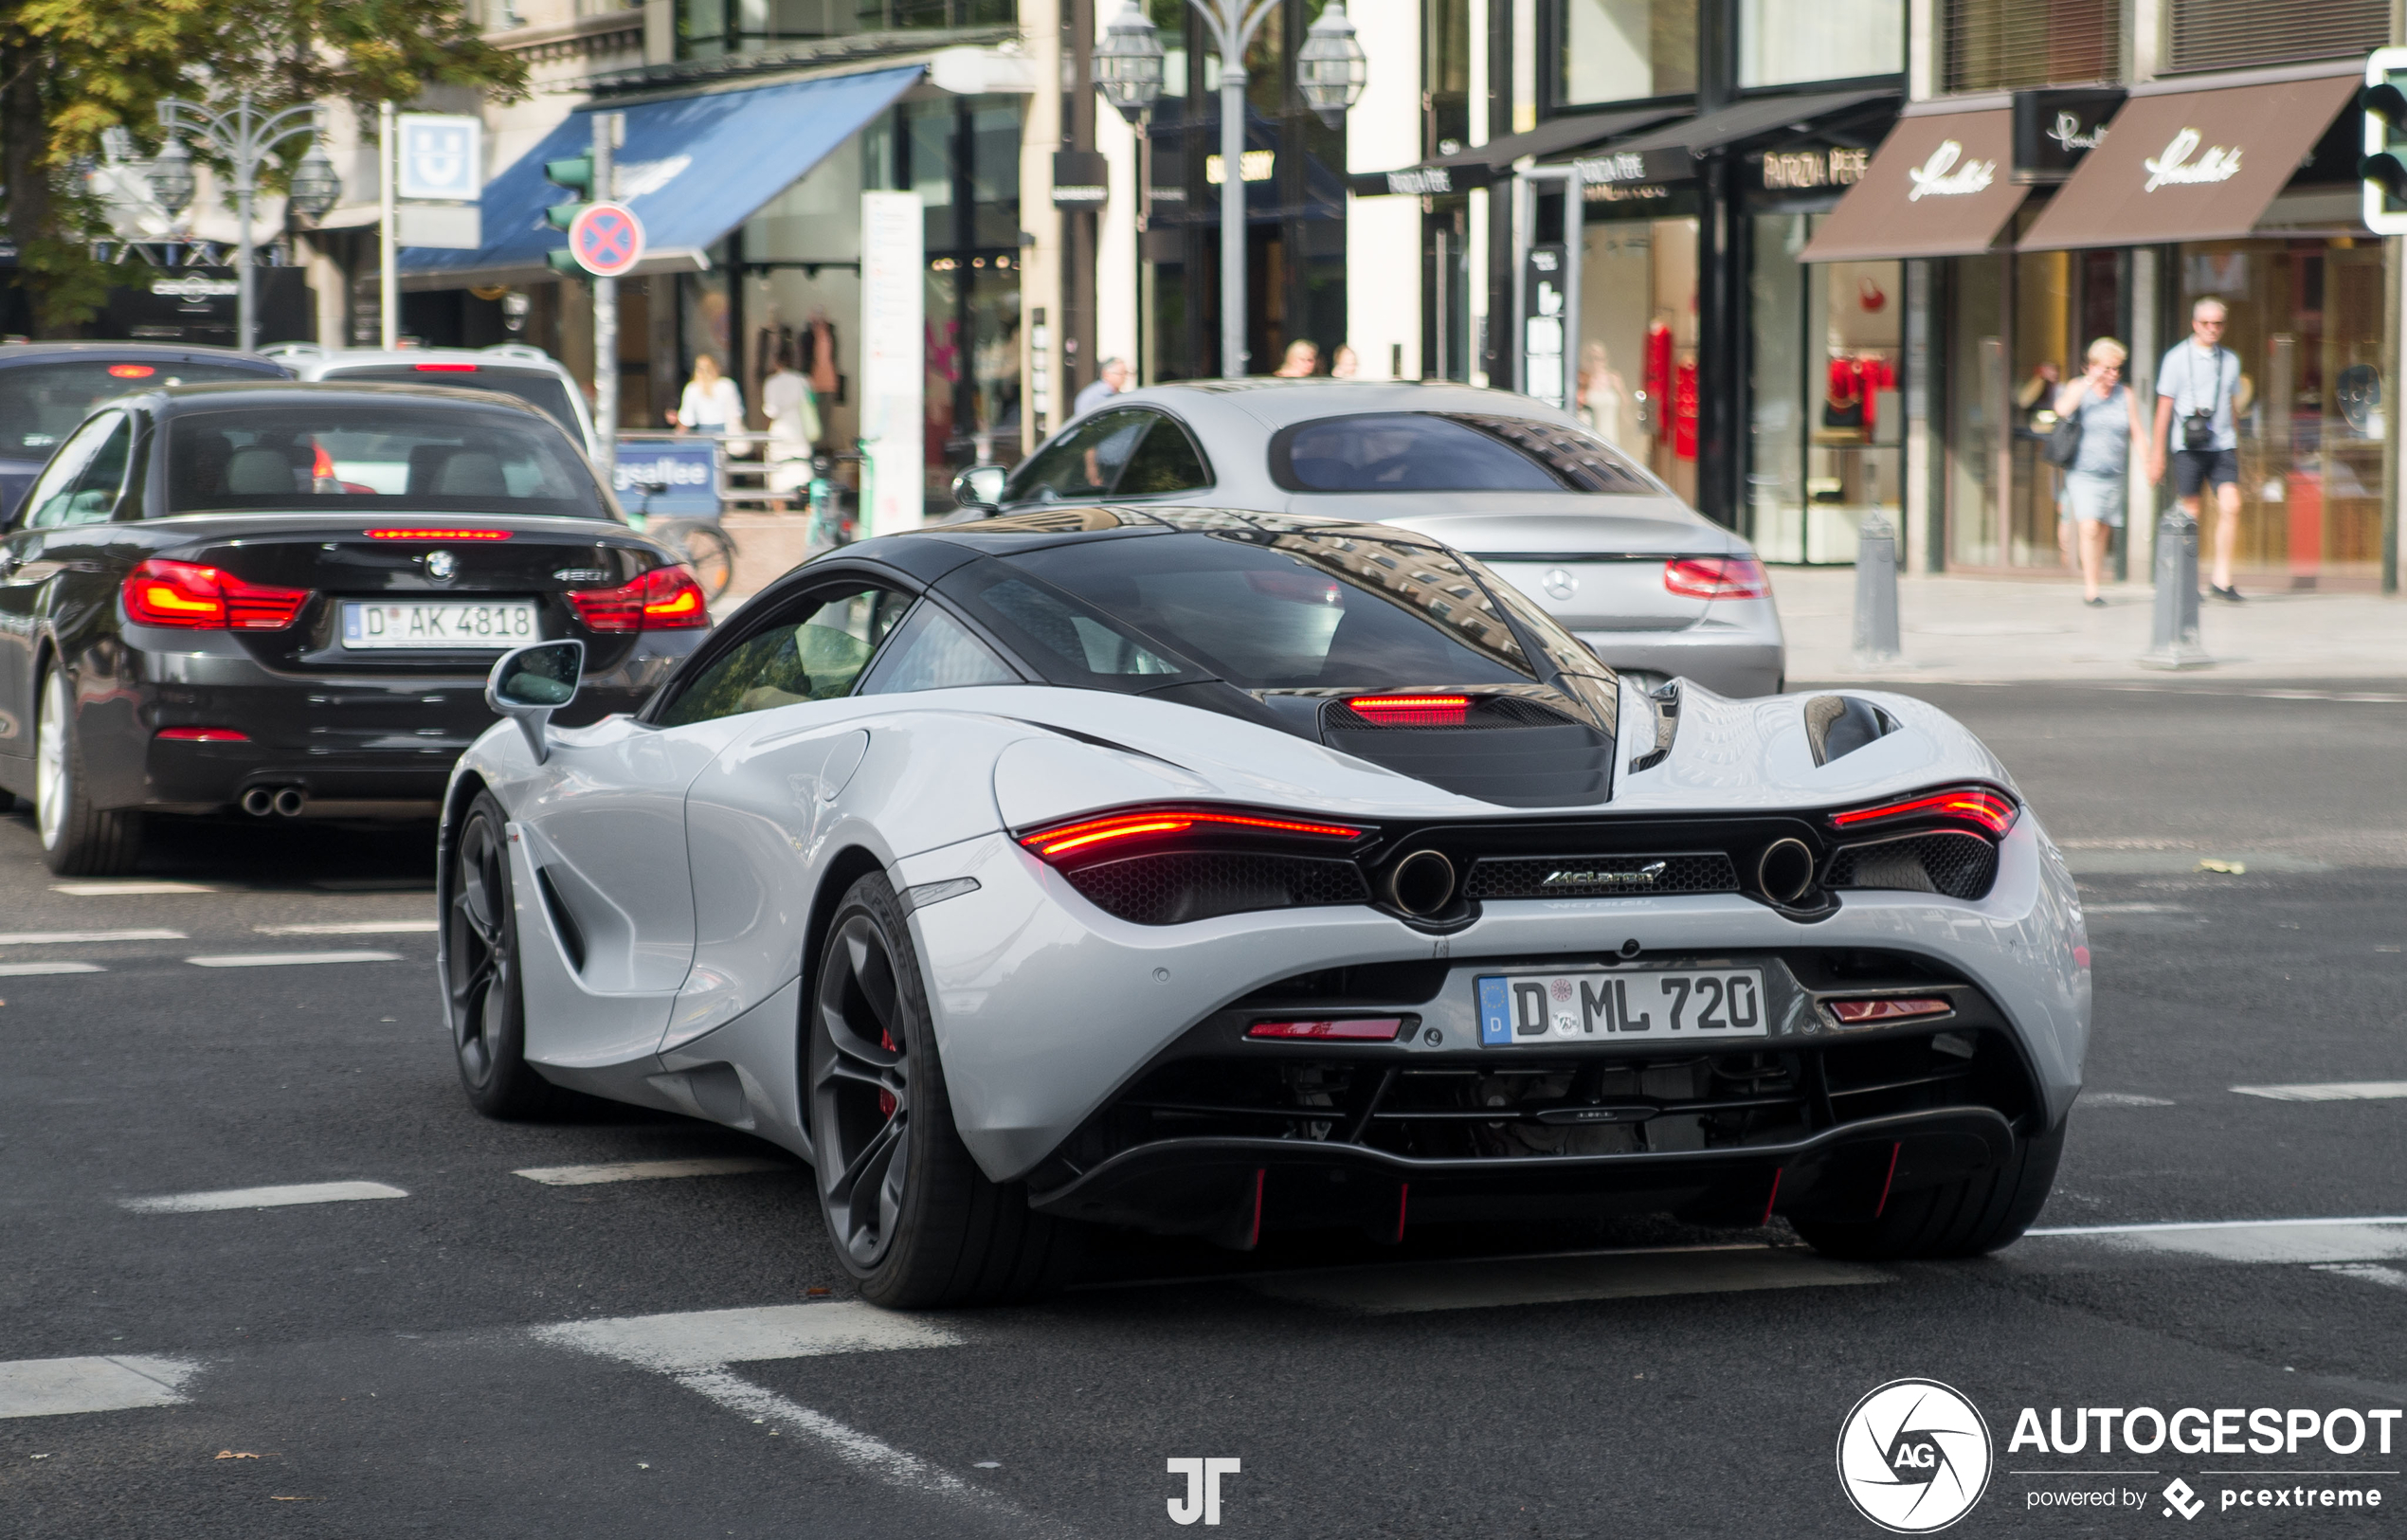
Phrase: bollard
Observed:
(2174, 642)
(1876, 593)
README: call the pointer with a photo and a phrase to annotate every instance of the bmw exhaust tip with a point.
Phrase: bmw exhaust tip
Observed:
(258, 802)
(1422, 884)
(289, 801)
(1786, 871)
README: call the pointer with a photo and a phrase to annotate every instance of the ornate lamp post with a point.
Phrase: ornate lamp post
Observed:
(245, 139)
(1330, 70)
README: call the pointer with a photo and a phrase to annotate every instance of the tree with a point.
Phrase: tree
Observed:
(71, 68)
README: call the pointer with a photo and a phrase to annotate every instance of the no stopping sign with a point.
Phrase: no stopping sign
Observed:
(607, 239)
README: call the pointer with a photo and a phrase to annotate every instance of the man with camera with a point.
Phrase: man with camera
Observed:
(2200, 383)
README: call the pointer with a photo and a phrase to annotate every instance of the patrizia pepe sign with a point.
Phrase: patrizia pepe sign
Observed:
(1941, 176)
(2174, 167)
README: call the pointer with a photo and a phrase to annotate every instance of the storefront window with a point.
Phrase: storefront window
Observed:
(1637, 382)
(1786, 42)
(1827, 430)
(1621, 51)
(2004, 45)
(713, 28)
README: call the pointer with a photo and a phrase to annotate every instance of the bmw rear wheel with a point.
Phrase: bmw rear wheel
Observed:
(1984, 1211)
(913, 1218)
(77, 840)
(488, 1004)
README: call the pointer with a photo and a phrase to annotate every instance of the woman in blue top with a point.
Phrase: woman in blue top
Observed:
(2096, 481)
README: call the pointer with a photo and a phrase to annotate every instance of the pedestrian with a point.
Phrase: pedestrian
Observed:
(1108, 381)
(2098, 478)
(1302, 361)
(712, 404)
(2201, 384)
(792, 409)
(1344, 363)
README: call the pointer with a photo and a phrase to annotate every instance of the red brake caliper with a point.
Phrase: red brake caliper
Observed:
(885, 1098)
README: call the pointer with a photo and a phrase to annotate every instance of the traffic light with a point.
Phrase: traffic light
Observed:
(576, 175)
(2384, 166)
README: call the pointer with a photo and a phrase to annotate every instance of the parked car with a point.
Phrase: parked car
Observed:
(1588, 534)
(1208, 872)
(512, 368)
(285, 597)
(47, 388)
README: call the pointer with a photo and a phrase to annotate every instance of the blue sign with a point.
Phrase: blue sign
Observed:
(442, 157)
(1496, 1014)
(682, 473)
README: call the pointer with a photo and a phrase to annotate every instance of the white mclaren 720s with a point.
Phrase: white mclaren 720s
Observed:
(1209, 873)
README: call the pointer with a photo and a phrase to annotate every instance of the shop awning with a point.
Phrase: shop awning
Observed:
(1941, 185)
(1670, 154)
(1481, 164)
(2191, 165)
(691, 169)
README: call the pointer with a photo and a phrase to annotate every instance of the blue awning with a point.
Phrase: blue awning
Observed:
(691, 169)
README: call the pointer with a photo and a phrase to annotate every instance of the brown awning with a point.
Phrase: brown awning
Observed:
(1941, 185)
(2190, 165)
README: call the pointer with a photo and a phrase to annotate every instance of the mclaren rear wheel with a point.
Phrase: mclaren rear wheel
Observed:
(77, 840)
(913, 1218)
(1980, 1214)
(488, 1004)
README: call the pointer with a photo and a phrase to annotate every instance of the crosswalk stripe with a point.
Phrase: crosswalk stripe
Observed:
(2121, 1098)
(71, 938)
(127, 890)
(291, 959)
(64, 1386)
(2329, 1091)
(28, 970)
(651, 1171)
(286, 1197)
(1485, 1283)
(2389, 1277)
(708, 1338)
(2240, 1241)
(355, 927)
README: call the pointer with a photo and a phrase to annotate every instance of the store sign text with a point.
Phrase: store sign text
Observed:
(2069, 134)
(2175, 168)
(1628, 166)
(1940, 177)
(1834, 167)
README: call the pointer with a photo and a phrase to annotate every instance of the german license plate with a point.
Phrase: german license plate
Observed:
(454, 623)
(1549, 1009)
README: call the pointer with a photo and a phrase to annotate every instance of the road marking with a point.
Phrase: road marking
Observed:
(308, 1192)
(2332, 1091)
(69, 938)
(2121, 1098)
(1485, 1282)
(28, 970)
(62, 1387)
(651, 1171)
(2389, 1277)
(2257, 1240)
(291, 959)
(708, 1338)
(129, 890)
(355, 927)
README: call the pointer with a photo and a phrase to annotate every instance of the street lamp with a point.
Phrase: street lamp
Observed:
(245, 139)
(171, 180)
(315, 187)
(1329, 69)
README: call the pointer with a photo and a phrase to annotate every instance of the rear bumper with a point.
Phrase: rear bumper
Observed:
(1733, 660)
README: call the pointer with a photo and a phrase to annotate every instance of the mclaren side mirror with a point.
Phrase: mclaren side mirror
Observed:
(980, 486)
(531, 683)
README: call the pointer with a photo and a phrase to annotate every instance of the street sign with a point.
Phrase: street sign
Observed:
(664, 477)
(442, 157)
(607, 239)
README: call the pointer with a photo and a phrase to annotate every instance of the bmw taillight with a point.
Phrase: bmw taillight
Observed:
(1169, 865)
(1716, 577)
(197, 598)
(663, 599)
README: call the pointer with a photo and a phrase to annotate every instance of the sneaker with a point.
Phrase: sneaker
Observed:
(2229, 595)
(2094, 601)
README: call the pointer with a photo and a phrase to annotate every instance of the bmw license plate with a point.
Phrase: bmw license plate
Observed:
(455, 623)
(1544, 1009)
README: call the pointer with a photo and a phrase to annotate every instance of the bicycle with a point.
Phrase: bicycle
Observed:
(703, 544)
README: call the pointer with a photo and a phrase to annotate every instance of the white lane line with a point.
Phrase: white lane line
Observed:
(308, 1192)
(128, 890)
(291, 959)
(355, 927)
(651, 1171)
(2121, 1098)
(708, 1338)
(69, 938)
(1485, 1283)
(2262, 1240)
(2157, 1226)
(2389, 1277)
(2332, 1091)
(61, 1386)
(28, 970)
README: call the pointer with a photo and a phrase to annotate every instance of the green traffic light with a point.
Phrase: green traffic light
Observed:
(575, 173)
(560, 261)
(561, 215)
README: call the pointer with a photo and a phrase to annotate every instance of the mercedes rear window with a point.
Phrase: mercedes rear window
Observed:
(1421, 451)
(41, 404)
(538, 388)
(391, 457)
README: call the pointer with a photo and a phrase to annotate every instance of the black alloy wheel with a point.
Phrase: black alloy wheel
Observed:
(912, 1216)
(488, 1003)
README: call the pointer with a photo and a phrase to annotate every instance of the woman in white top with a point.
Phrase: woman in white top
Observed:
(792, 409)
(2096, 481)
(712, 404)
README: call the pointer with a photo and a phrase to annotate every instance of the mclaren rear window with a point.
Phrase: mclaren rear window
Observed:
(1423, 451)
(394, 457)
(1263, 610)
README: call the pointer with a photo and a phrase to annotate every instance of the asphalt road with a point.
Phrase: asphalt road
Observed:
(457, 1360)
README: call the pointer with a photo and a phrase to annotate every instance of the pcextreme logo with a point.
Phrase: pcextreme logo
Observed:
(1914, 1456)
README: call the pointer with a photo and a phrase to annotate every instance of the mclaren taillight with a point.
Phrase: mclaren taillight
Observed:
(1168, 865)
(663, 599)
(1716, 577)
(1868, 1012)
(1411, 709)
(1983, 807)
(1120, 829)
(193, 597)
(1341, 1029)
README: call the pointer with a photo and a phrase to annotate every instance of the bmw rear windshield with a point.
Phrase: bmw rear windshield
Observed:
(41, 404)
(1452, 451)
(392, 457)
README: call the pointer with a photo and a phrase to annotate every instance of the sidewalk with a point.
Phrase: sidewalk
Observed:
(1979, 631)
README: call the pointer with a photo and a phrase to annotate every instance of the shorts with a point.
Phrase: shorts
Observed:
(2195, 468)
(2094, 499)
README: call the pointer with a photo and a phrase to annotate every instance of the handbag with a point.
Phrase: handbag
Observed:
(2198, 429)
(2064, 440)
